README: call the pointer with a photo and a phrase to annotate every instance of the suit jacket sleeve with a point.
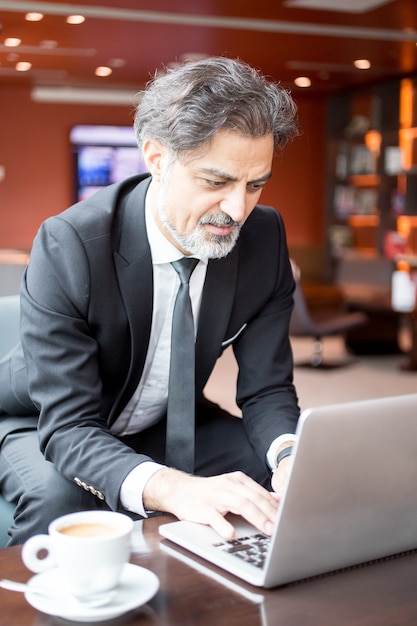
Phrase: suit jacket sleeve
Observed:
(265, 391)
(72, 315)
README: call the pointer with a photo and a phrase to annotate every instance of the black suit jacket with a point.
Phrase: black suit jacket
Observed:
(86, 316)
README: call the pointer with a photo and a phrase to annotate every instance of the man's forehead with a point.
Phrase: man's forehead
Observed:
(232, 155)
(223, 138)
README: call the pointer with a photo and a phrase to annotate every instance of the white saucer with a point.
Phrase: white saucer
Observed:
(137, 586)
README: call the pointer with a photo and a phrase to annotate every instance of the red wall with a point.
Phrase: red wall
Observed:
(35, 154)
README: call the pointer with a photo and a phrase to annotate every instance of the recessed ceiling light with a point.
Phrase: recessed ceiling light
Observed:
(75, 19)
(103, 71)
(34, 16)
(362, 64)
(302, 81)
(12, 42)
(23, 66)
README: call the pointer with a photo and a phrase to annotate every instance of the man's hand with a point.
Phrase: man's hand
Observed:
(208, 500)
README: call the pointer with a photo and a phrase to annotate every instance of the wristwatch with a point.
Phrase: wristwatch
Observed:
(282, 455)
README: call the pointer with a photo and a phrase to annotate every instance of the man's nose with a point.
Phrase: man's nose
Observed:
(234, 205)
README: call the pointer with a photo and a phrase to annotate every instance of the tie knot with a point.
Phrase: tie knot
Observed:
(184, 268)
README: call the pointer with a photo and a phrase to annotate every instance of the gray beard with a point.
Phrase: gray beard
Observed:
(203, 243)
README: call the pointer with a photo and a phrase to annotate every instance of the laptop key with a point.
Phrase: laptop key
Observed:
(252, 548)
(239, 547)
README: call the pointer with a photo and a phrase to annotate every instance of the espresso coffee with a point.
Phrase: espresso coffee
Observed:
(89, 529)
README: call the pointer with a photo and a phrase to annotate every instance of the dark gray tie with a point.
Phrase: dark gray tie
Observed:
(181, 390)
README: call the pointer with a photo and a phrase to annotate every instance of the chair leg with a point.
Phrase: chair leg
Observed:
(317, 357)
(316, 361)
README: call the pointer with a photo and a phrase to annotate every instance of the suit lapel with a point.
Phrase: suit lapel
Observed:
(133, 264)
(216, 305)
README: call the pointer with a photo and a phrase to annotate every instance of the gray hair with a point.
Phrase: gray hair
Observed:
(185, 107)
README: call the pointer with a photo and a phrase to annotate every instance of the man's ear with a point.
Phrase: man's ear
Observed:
(154, 155)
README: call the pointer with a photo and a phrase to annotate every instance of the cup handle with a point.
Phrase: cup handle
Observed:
(30, 553)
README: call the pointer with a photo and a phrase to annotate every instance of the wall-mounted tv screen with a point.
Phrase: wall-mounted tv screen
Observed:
(103, 155)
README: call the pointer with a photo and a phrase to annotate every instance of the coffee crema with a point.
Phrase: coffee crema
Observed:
(89, 529)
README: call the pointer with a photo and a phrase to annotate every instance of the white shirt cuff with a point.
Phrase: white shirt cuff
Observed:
(272, 452)
(131, 491)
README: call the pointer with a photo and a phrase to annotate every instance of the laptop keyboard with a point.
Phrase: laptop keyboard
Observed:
(250, 548)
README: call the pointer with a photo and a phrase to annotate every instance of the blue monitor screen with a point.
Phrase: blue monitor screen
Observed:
(103, 155)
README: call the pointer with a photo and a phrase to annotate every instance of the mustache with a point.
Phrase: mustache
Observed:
(219, 219)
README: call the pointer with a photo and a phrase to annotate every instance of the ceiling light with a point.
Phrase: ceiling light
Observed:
(12, 42)
(34, 16)
(103, 71)
(23, 66)
(75, 19)
(302, 81)
(362, 64)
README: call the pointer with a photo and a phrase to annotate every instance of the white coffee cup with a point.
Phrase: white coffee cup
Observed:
(89, 550)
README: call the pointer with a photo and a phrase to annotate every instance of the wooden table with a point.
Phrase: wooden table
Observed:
(193, 593)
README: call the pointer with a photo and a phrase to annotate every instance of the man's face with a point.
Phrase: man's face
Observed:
(201, 204)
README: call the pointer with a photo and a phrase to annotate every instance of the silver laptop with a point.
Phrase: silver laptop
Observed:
(351, 498)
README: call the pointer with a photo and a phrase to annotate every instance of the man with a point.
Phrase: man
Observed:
(90, 381)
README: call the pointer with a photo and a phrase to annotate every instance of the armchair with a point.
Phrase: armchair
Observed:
(304, 324)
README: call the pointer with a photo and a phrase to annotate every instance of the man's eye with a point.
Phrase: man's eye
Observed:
(215, 183)
(256, 186)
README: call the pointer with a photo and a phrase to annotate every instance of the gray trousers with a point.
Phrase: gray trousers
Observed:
(41, 493)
